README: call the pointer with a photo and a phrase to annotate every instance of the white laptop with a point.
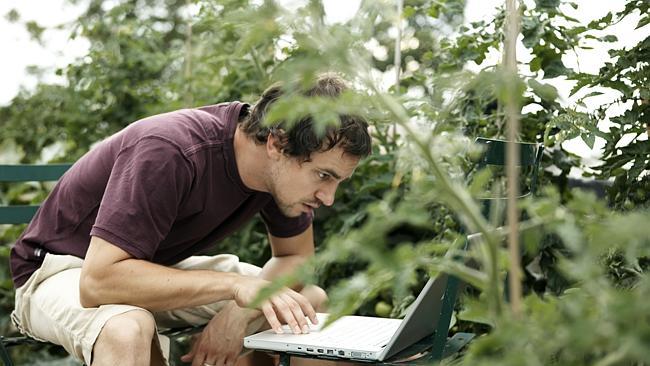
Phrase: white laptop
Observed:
(361, 337)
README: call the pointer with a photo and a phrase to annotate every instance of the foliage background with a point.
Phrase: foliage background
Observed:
(410, 202)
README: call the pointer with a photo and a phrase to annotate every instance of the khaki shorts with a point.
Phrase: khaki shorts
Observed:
(48, 306)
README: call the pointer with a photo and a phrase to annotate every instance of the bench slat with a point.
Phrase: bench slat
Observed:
(17, 214)
(32, 172)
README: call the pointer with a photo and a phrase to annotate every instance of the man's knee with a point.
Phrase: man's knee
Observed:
(131, 328)
(316, 296)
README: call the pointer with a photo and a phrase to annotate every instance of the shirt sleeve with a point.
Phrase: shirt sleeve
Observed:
(146, 186)
(282, 226)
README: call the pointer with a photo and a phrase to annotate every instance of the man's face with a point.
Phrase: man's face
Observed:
(301, 187)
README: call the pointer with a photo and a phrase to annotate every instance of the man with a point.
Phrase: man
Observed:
(109, 255)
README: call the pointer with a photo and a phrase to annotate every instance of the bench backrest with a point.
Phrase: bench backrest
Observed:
(20, 214)
(493, 155)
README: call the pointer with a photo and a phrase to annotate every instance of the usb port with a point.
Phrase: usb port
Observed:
(330, 352)
(310, 350)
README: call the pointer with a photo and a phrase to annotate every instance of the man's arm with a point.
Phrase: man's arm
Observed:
(288, 254)
(112, 276)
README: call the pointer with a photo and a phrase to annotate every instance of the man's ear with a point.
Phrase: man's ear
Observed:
(275, 145)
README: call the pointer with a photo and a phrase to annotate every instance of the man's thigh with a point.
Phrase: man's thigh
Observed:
(51, 311)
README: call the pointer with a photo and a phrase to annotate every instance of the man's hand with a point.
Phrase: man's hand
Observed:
(285, 305)
(222, 339)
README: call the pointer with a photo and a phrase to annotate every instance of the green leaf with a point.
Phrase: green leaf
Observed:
(35, 30)
(571, 19)
(602, 22)
(583, 80)
(589, 139)
(554, 68)
(434, 11)
(12, 16)
(476, 312)
(569, 125)
(643, 22)
(547, 4)
(592, 94)
(609, 38)
(409, 11)
(535, 64)
(545, 91)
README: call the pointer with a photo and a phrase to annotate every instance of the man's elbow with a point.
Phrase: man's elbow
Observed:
(89, 293)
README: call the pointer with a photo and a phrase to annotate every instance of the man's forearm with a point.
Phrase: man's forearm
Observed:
(155, 287)
(279, 266)
(110, 275)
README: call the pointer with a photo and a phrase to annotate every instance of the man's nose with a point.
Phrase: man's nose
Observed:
(326, 195)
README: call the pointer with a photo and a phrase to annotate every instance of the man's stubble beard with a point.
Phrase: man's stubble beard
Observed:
(285, 208)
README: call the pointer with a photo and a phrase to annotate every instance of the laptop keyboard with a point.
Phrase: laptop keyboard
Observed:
(370, 334)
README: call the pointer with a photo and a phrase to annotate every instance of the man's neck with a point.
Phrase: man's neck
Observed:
(251, 161)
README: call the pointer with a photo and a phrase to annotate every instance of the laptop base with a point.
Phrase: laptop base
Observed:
(418, 353)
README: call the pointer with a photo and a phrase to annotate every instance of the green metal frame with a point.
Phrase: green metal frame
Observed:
(439, 346)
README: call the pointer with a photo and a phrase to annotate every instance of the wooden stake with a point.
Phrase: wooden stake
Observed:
(512, 154)
(397, 61)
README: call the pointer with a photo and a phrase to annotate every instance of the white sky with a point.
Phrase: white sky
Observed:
(20, 51)
(59, 50)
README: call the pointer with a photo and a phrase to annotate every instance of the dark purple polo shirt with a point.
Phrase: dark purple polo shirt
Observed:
(164, 188)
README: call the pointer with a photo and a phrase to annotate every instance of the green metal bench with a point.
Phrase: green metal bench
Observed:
(439, 346)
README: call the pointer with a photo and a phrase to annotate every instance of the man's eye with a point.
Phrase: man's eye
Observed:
(322, 175)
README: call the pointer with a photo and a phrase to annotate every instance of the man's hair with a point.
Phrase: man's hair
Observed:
(301, 140)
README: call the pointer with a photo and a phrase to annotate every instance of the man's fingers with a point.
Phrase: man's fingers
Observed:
(189, 356)
(290, 311)
(200, 358)
(306, 306)
(269, 313)
(197, 360)
(291, 307)
(231, 356)
(230, 360)
(186, 358)
(297, 313)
